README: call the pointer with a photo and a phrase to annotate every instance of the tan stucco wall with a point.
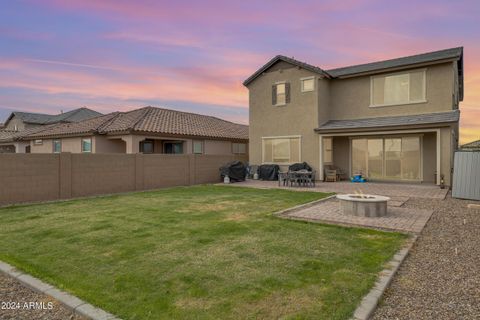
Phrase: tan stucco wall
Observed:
(102, 144)
(350, 98)
(73, 145)
(217, 147)
(19, 123)
(299, 117)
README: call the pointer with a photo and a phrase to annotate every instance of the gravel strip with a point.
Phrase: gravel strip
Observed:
(46, 308)
(440, 279)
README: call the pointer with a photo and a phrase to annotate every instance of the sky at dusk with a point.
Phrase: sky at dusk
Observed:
(193, 56)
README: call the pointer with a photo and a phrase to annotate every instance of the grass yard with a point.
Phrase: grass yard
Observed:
(202, 252)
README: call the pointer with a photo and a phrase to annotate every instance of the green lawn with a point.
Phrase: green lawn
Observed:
(203, 252)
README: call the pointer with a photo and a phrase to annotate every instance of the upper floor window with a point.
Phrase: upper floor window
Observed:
(281, 150)
(239, 148)
(281, 93)
(87, 145)
(398, 88)
(57, 146)
(307, 84)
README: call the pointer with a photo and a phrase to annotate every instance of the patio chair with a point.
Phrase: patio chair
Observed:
(330, 175)
(282, 178)
(339, 171)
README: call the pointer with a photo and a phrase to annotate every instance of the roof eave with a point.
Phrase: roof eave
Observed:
(386, 128)
(274, 60)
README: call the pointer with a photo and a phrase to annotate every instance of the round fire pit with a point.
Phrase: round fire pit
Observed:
(363, 205)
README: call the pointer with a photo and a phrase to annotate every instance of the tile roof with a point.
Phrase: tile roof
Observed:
(475, 145)
(452, 53)
(74, 115)
(9, 136)
(151, 120)
(41, 118)
(381, 122)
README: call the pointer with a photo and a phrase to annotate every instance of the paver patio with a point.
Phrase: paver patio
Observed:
(428, 191)
(397, 219)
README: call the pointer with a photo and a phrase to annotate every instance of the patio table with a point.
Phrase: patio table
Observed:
(301, 177)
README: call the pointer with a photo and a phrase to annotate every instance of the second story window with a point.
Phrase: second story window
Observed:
(398, 88)
(307, 84)
(57, 146)
(281, 94)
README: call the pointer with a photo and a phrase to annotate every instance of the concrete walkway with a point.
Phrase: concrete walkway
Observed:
(427, 191)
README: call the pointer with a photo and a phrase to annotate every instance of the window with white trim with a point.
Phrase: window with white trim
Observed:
(87, 145)
(281, 150)
(307, 84)
(398, 88)
(57, 146)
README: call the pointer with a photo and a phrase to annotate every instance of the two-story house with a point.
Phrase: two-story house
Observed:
(393, 120)
(19, 124)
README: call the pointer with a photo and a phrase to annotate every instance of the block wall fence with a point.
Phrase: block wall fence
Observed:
(44, 177)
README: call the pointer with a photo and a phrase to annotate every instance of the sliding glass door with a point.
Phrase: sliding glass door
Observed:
(396, 158)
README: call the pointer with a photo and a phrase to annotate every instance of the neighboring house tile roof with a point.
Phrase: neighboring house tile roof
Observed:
(9, 136)
(390, 122)
(452, 53)
(150, 120)
(292, 61)
(474, 145)
(41, 118)
(74, 115)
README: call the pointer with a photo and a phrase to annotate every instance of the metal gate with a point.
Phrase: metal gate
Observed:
(466, 175)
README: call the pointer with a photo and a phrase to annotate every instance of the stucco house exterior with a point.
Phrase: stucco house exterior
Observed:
(392, 120)
(19, 124)
(144, 130)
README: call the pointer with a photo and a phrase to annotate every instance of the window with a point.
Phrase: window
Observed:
(87, 145)
(197, 146)
(307, 84)
(57, 146)
(280, 94)
(173, 147)
(281, 150)
(146, 146)
(240, 148)
(396, 158)
(399, 88)
(327, 150)
(38, 142)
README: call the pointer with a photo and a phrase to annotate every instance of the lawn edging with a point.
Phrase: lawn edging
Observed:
(71, 302)
(302, 206)
(369, 302)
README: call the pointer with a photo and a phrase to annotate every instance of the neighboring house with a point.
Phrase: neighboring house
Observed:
(390, 120)
(472, 146)
(145, 130)
(19, 124)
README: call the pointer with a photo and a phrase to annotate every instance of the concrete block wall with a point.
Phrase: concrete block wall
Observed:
(43, 177)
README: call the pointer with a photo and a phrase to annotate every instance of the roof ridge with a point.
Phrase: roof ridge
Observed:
(392, 59)
(107, 122)
(195, 114)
